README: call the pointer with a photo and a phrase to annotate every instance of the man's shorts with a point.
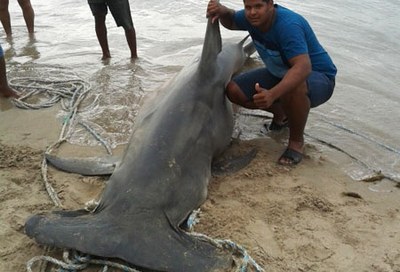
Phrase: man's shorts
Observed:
(320, 86)
(120, 10)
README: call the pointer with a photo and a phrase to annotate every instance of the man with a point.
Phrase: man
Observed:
(298, 73)
(121, 12)
(27, 12)
(5, 90)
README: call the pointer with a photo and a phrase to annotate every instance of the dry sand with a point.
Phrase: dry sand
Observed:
(309, 218)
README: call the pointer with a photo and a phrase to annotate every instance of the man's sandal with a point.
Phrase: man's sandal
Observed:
(274, 126)
(290, 157)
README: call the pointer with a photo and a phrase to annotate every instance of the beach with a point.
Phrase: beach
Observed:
(318, 216)
(312, 217)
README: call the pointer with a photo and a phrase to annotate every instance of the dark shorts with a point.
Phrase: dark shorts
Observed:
(320, 86)
(120, 10)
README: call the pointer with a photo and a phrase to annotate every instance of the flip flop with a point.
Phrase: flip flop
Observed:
(274, 126)
(290, 157)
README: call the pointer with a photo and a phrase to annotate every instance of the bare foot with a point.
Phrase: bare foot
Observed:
(106, 57)
(8, 93)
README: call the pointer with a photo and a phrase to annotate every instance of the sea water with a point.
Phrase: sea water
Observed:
(358, 127)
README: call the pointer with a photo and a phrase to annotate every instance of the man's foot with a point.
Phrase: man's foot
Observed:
(276, 126)
(9, 93)
(290, 157)
(106, 57)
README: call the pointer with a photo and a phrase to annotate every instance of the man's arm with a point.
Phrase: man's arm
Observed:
(216, 10)
(297, 74)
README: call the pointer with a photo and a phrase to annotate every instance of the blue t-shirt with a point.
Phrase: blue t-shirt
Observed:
(1, 51)
(289, 36)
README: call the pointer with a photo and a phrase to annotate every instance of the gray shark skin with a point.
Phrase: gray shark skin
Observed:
(163, 175)
(94, 166)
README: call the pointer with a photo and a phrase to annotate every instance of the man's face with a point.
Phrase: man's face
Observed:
(258, 12)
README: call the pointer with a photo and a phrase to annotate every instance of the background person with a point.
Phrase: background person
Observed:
(121, 12)
(27, 11)
(5, 90)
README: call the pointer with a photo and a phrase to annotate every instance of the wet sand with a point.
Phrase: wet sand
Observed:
(309, 218)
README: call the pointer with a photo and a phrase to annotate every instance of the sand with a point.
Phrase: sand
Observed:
(309, 218)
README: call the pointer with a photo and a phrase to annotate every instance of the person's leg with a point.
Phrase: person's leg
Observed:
(130, 35)
(29, 14)
(99, 12)
(293, 106)
(5, 17)
(237, 96)
(315, 91)
(5, 90)
(242, 88)
(296, 105)
(101, 32)
(121, 12)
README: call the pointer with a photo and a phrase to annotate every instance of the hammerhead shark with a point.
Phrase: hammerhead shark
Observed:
(163, 174)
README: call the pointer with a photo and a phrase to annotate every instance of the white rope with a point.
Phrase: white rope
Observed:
(235, 249)
(78, 262)
(46, 93)
(97, 136)
(71, 93)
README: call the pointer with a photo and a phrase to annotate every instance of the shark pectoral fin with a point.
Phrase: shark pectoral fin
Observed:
(92, 166)
(177, 250)
(228, 164)
(147, 240)
(80, 230)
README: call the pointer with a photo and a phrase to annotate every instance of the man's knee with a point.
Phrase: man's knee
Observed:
(100, 20)
(296, 101)
(235, 94)
(231, 92)
(4, 5)
(129, 29)
(300, 92)
(24, 4)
